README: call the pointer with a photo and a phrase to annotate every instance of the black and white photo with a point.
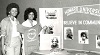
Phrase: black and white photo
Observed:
(98, 41)
(83, 37)
(68, 33)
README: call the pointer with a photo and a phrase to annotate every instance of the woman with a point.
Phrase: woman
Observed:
(30, 16)
(84, 37)
(9, 31)
(54, 43)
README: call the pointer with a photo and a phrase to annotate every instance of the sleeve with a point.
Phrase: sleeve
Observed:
(3, 28)
(3, 32)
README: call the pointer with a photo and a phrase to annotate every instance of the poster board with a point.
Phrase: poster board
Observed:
(82, 19)
(52, 19)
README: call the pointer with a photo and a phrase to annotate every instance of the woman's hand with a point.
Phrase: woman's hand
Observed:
(44, 29)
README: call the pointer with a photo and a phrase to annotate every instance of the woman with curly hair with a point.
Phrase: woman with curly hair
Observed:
(30, 16)
(84, 37)
(10, 36)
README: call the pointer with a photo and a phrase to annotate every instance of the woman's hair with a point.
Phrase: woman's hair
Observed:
(27, 11)
(67, 30)
(56, 39)
(98, 37)
(10, 6)
(84, 33)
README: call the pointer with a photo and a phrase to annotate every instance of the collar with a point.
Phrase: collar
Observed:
(11, 19)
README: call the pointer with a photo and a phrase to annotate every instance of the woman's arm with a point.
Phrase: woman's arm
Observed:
(43, 30)
(3, 27)
(3, 34)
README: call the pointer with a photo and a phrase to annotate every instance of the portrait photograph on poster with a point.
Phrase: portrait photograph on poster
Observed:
(83, 37)
(48, 30)
(68, 33)
(48, 42)
(54, 43)
(98, 41)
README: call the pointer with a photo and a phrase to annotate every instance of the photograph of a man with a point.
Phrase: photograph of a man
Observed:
(68, 33)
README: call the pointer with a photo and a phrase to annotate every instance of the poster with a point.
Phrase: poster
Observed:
(84, 23)
(51, 19)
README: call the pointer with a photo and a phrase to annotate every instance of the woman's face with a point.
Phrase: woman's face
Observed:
(84, 36)
(54, 41)
(69, 31)
(31, 15)
(13, 12)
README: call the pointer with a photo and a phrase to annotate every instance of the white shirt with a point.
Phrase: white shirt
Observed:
(28, 24)
(14, 28)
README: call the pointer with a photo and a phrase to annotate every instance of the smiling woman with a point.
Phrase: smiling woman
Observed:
(30, 37)
(10, 35)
